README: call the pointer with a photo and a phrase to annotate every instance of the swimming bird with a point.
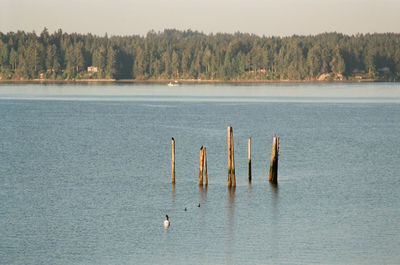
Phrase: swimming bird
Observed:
(185, 209)
(198, 205)
(166, 222)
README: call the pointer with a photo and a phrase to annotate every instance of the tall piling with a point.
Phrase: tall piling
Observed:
(205, 166)
(273, 170)
(229, 157)
(201, 166)
(173, 160)
(233, 160)
(249, 157)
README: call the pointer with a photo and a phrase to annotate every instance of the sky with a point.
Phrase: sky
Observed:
(261, 17)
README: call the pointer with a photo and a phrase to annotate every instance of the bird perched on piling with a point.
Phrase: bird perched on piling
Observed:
(166, 222)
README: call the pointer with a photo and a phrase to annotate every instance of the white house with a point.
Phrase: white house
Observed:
(92, 69)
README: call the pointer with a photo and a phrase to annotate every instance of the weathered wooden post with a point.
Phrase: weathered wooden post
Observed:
(229, 157)
(233, 160)
(173, 160)
(273, 170)
(201, 166)
(249, 157)
(205, 166)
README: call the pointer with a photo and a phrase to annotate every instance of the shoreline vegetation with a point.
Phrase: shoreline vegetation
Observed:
(178, 81)
(194, 57)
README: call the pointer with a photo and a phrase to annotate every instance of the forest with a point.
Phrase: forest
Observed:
(191, 55)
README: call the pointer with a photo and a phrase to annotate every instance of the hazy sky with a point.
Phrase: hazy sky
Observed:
(262, 17)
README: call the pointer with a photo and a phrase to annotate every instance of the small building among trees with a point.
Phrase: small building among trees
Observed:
(92, 69)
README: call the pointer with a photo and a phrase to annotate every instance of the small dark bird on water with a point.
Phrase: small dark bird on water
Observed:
(198, 205)
(185, 209)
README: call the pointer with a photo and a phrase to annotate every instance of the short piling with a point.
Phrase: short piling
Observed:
(173, 160)
(249, 157)
(229, 157)
(205, 166)
(273, 170)
(201, 166)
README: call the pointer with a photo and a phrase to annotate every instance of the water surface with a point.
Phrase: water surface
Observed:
(85, 174)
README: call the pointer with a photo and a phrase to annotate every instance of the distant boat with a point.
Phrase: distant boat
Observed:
(176, 83)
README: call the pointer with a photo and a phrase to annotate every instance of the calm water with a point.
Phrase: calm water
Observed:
(85, 174)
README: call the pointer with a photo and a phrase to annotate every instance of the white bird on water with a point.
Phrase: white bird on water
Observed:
(166, 222)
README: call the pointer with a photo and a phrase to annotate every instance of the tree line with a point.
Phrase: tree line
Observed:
(174, 54)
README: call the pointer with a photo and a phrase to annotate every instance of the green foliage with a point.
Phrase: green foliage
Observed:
(174, 54)
(99, 60)
(3, 53)
(112, 62)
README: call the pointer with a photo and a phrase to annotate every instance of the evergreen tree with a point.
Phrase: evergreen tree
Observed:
(13, 60)
(139, 65)
(99, 60)
(53, 64)
(3, 53)
(175, 64)
(314, 61)
(33, 56)
(112, 62)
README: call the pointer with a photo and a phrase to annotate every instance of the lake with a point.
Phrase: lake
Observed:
(85, 174)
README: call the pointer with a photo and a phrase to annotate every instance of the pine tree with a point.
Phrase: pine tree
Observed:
(112, 62)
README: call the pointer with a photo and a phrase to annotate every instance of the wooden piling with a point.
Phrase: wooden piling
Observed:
(233, 160)
(173, 160)
(201, 166)
(249, 157)
(229, 157)
(273, 170)
(205, 166)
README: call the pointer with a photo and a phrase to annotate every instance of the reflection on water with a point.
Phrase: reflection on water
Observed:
(173, 193)
(275, 220)
(249, 190)
(274, 199)
(203, 193)
(274, 189)
(203, 205)
(231, 200)
(229, 245)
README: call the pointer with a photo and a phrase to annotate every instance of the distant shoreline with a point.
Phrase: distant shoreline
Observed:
(194, 57)
(180, 81)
